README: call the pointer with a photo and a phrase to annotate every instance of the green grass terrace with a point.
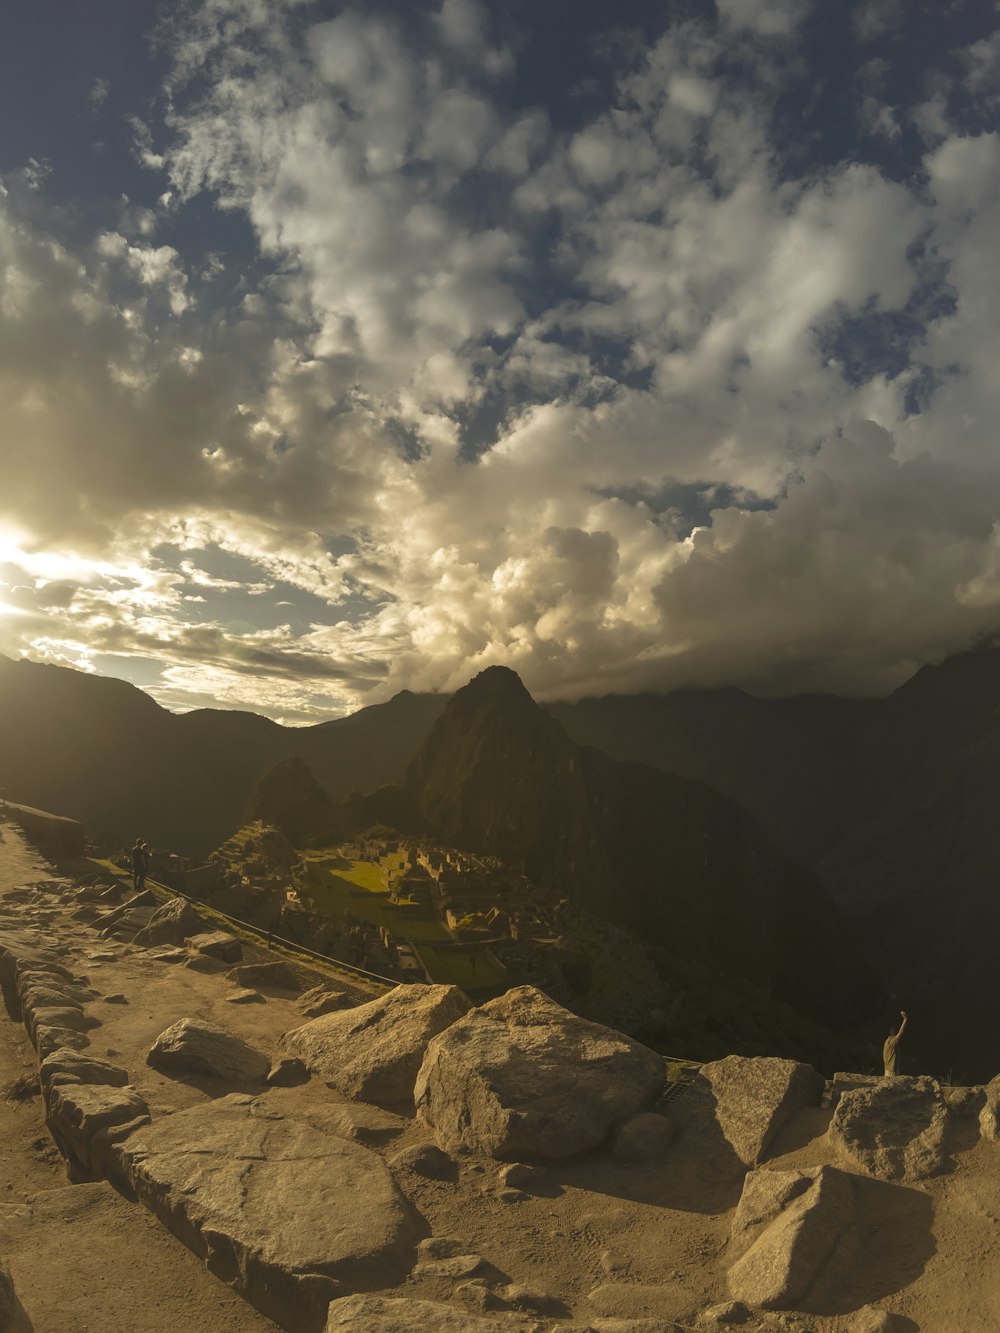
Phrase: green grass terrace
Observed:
(333, 885)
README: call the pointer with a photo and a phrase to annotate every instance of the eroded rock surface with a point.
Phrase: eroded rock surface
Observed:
(381, 1314)
(790, 1225)
(373, 1052)
(751, 1099)
(523, 1077)
(893, 1130)
(171, 924)
(217, 944)
(188, 1047)
(288, 1215)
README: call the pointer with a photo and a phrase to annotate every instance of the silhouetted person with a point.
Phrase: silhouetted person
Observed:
(138, 866)
(890, 1044)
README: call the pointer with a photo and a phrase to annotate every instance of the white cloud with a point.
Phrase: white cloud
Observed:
(648, 322)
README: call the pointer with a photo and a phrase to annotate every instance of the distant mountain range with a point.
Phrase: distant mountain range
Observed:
(889, 803)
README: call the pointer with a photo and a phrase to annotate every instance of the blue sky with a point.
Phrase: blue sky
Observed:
(348, 348)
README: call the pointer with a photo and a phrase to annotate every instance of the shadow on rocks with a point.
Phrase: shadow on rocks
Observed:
(887, 1250)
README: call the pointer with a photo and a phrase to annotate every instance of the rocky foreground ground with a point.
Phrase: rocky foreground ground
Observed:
(200, 1136)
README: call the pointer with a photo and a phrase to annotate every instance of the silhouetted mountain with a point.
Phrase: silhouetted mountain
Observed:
(102, 751)
(289, 798)
(677, 862)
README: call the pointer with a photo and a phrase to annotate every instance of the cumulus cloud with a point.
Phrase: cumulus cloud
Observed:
(625, 404)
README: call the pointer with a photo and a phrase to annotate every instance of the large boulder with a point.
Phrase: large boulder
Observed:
(523, 1077)
(387, 1314)
(189, 1047)
(288, 1215)
(747, 1100)
(989, 1115)
(171, 924)
(893, 1130)
(790, 1225)
(373, 1052)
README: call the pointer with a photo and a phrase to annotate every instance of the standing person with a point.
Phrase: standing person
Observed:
(138, 866)
(890, 1044)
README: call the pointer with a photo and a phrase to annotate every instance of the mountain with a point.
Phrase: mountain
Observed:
(680, 864)
(289, 798)
(102, 751)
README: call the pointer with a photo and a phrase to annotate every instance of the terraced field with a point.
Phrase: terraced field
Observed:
(334, 885)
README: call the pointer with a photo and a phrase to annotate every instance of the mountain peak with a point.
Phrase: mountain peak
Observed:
(497, 682)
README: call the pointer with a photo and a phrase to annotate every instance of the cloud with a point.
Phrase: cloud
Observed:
(627, 403)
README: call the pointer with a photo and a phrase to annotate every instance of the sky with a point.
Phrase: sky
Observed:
(348, 348)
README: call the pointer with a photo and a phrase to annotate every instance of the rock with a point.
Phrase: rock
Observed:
(752, 1098)
(64, 1016)
(373, 1052)
(286, 1214)
(117, 998)
(459, 1265)
(424, 1159)
(989, 1116)
(521, 1175)
(728, 1314)
(277, 976)
(510, 1195)
(12, 1316)
(870, 1320)
(643, 1138)
(49, 1039)
(523, 1297)
(848, 1082)
(188, 1047)
(893, 1130)
(170, 954)
(795, 1226)
(201, 962)
(288, 1072)
(68, 1066)
(440, 1247)
(217, 944)
(172, 923)
(523, 1077)
(245, 996)
(364, 1124)
(84, 1119)
(384, 1314)
(322, 1000)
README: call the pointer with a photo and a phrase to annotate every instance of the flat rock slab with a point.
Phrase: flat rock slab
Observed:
(218, 944)
(288, 1215)
(751, 1099)
(523, 1077)
(188, 1047)
(278, 976)
(382, 1314)
(373, 1052)
(893, 1130)
(790, 1225)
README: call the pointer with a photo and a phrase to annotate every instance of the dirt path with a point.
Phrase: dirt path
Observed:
(83, 1259)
